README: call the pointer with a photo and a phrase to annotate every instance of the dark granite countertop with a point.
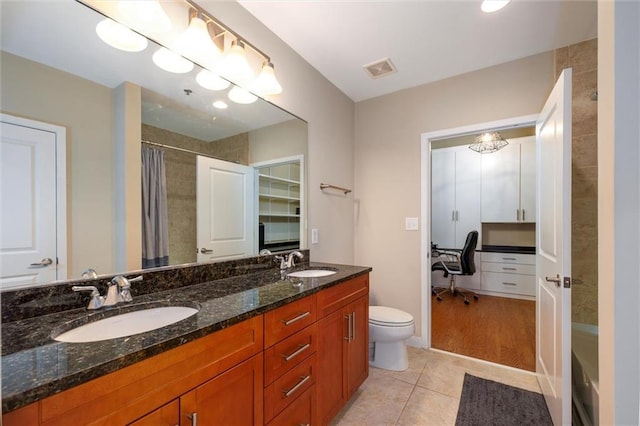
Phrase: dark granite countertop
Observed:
(508, 249)
(35, 366)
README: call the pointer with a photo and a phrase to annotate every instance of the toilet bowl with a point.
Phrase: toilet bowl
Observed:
(389, 328)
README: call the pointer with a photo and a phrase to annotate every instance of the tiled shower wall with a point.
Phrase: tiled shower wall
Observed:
(181, 183)
(583, 59)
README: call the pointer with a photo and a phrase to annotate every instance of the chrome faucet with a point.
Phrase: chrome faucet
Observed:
(119, 291)
(288, 260)
(89, 273)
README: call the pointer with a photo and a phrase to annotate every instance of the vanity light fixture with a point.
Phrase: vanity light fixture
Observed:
(241, 96)
(211, 81)
(145, 15)
(490, 6)
(171, 62)
(220, 105)
(196, 43)
(488, 142)
(234, 64)
(266, 82)
(118, 36)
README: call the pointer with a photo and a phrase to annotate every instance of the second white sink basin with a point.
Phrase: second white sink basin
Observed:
(126, 324)
(310, 273)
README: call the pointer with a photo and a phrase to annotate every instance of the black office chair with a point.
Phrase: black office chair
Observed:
(456, 262)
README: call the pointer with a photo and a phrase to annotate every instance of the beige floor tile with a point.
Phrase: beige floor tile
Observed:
(442, 375)
(379, 401)
(429, 408)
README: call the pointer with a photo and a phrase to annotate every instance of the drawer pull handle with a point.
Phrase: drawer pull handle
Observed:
(194, 418)
(509, 283)
(348, 336)
(302, 381)
(298, 318)
(509, 269)
(509, 258)
(298, 351)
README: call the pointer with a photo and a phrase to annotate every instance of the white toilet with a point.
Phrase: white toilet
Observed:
(389, 328)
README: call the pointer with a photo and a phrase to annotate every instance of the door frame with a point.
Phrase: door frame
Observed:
(62, 266)
(425, 203)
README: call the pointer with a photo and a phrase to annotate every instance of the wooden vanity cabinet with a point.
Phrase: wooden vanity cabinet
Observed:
(343, 345)
(167, 415)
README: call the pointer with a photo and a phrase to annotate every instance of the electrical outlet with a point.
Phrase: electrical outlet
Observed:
(314, 236)
(411, 223)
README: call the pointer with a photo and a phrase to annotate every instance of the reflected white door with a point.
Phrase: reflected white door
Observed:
(28, 218)
(225, 214)
(553, 259)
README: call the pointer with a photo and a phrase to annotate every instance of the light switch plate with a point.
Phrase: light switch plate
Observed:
(314, 236)
(411, 223)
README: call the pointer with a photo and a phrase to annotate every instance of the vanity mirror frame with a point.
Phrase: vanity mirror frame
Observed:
(124, 177)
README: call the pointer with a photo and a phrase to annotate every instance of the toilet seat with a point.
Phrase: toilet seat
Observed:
(389, 317)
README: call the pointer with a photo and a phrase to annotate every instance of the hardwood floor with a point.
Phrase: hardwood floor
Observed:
(495, 329)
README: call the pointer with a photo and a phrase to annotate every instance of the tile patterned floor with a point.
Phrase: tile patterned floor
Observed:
(427, 393)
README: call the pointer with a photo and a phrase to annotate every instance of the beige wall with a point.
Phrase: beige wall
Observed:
(84, 108)
(583, 59)
(387, 161)
(278, 141)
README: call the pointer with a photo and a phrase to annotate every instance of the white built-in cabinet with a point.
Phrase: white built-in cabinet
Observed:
(509, 183)
(510, 274)
(455, 195)
(280, 203)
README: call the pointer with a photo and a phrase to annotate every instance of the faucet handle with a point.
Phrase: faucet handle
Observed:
(96, 301)
(125, 287)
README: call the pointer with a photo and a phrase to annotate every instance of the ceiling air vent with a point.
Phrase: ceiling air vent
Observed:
(380, 68)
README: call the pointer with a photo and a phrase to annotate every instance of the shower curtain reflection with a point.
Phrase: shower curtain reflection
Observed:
(155, 223)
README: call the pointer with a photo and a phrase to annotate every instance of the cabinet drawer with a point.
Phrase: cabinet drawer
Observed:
(509, 268)
(525, 259)
(285, 390)
(300, 412)
(338, 296)
(288, 319)
(282, 356)
(509, 283)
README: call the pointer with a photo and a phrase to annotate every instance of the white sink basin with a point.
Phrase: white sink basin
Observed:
(126, 324)
(311, 273)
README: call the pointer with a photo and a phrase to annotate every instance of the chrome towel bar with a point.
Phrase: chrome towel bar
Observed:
(326, 185)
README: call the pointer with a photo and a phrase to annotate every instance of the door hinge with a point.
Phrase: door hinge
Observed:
(567, 282)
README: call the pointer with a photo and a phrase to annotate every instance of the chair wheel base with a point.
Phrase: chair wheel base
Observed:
(475, 297)
(439, 299)
(466, 302)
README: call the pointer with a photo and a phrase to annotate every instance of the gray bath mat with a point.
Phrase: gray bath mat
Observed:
(485, 402)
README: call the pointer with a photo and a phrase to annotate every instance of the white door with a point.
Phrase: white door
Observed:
(553, 257)
(28, 217)
(443, 193)
(225, 214)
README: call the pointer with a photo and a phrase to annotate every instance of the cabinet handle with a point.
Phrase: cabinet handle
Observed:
(517, 214)
(298, 318)
(509, 269)
(509, 258)
(302, 381)
(298, 351)
(353, 326)
(453, 215)
(457, 215)
(523, 215)
(194, 418)
(509, 283)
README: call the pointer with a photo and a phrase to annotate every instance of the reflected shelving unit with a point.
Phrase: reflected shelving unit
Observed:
(280, 204)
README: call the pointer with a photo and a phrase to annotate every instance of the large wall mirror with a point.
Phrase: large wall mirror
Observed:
(114, 104)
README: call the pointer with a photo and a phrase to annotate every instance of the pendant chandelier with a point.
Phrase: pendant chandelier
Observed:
(488, 142)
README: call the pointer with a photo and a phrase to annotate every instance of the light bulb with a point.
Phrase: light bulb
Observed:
(266, 82)
(118, 36)
(211, 81)
(241, 96)
(489, 6)
(196, 43)
(234, 65)
(171, 62)
(145, 15)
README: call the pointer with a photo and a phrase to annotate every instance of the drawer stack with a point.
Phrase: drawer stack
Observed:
(509, 273)
(290, 363)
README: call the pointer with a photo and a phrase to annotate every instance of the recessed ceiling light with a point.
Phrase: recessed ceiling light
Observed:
(489, 6)
(220, 105)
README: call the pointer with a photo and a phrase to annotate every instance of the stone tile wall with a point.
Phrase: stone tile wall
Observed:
(583, 59)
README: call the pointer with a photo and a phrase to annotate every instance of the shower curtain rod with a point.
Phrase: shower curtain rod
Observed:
(188, 151)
